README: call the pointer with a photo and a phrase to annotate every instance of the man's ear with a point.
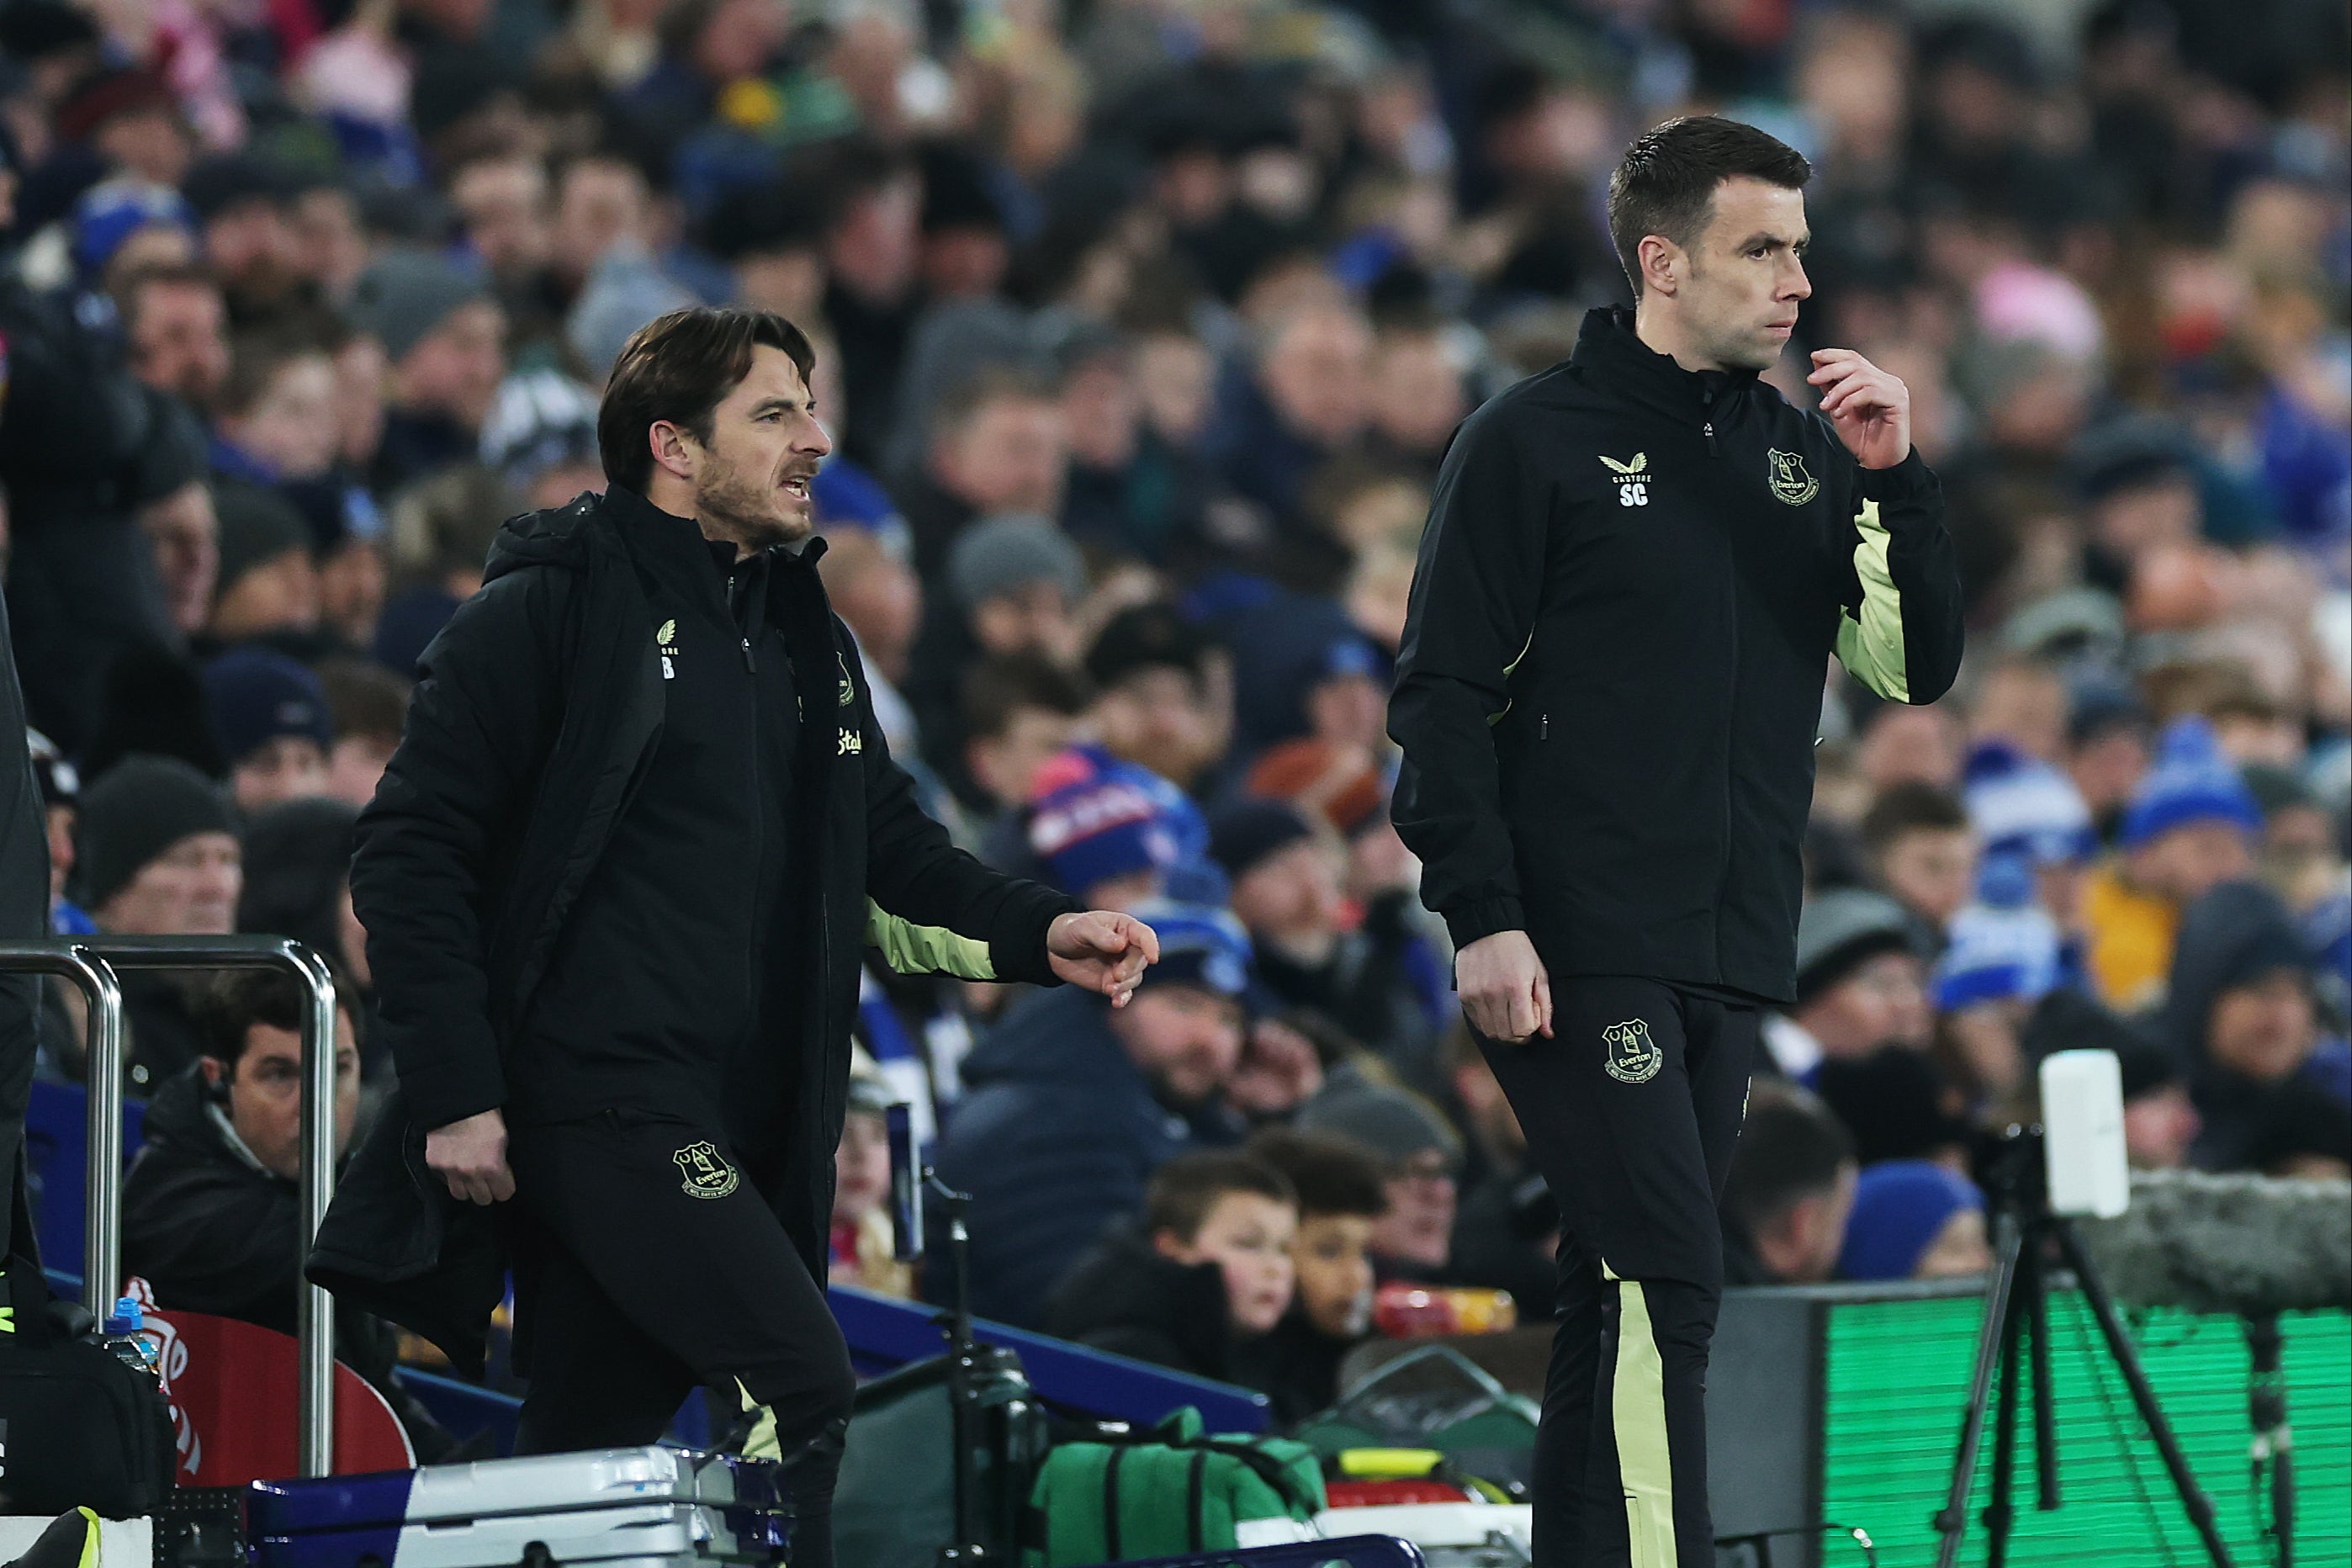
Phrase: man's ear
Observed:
(1167, 1243)
(672, 449)
(216, 1076)
(1663, 264)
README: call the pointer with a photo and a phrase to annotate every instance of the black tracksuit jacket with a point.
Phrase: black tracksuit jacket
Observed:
(515, 845)
(1632, 582)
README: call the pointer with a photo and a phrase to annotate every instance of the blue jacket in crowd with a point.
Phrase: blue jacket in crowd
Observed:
(1055, 1138)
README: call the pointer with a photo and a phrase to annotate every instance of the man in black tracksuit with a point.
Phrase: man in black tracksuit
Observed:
(616, 883)
(1636, 569)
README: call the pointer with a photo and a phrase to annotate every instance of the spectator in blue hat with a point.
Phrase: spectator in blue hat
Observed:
(122, 225)
(1105, 841)
(2002, 959)
(1072, 1104)
(2191, 828)
(2024, 809)
(1914, 1220)
(270, 717)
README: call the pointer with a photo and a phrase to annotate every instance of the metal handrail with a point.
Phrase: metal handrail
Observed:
(101, 957)
(102, 993)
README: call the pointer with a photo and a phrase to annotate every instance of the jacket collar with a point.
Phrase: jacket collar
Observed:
(1609, 353)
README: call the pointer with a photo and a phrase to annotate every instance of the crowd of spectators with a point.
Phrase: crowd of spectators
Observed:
(1141, 327)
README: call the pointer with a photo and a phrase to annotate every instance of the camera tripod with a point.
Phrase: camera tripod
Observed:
(2017, 1327)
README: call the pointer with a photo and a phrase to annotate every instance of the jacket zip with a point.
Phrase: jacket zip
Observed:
(1707, 430)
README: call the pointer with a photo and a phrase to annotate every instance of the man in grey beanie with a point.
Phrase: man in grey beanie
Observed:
(444, 336)
(156, 853)
(1012, 581)
(1420, 1155)
(1016, 577)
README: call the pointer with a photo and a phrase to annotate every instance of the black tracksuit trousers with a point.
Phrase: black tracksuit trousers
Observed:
(1632, 1111)
(649, 1264)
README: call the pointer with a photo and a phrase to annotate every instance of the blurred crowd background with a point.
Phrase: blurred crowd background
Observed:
(1142, 326)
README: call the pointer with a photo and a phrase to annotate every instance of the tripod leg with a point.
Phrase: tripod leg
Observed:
(2274, 1445)
(2198, 1507)
(2000, 1512)
(1952, 1522)
(2045, 1412)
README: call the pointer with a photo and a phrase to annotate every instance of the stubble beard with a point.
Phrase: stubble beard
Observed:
(754, 517)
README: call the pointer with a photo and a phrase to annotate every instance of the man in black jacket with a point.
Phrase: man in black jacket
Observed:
(616, 883)
(1636, 567)
(209, 1210)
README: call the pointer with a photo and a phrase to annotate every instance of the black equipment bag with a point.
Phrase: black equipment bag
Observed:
(79, 1427)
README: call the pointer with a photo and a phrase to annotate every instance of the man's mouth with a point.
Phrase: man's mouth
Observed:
(797, 487)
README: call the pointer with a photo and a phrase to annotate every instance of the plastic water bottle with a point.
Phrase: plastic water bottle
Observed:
(125, 1331)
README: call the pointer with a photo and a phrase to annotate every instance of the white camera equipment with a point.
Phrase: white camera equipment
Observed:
(2015, 1174)
(2083, 1123)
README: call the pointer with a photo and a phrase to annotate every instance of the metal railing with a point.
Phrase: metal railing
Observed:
(93, 964)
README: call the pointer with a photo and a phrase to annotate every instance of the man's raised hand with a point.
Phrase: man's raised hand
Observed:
(1102, 951)
(1870, 407)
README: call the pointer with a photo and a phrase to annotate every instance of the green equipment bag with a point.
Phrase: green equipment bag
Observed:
(1169, 1490)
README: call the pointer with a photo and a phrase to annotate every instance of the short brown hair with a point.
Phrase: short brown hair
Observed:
(680, 368)
(1665, 183)
(1188, 1186)
(997, 690)
(1331, 1176)
(255, 359)
(1911, 806)
(364, 699)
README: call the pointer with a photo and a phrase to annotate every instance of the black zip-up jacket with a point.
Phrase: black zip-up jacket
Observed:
(535, 720)
(1632, 582)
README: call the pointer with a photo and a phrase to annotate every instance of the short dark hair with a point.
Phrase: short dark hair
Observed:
(680, 367)
(132, 286)
(1911, 806)
(1331, 1176)
(1188, 1186)
(1154, 636)
(254, 361)
(977, 391)
(1791, 1148)
(234, 1002)
(364, 698)
(998, 689)
(1665, 183)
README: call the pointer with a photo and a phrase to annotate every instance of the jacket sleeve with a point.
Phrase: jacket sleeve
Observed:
(489, 700)
(1901, 634)
(1471, 619)
(930, 907)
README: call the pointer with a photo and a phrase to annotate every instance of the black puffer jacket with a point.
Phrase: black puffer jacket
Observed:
(536, 710)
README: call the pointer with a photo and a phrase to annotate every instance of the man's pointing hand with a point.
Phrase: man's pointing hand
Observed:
(1102, 951)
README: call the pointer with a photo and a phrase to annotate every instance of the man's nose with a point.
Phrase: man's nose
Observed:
(1797, 286)
(814, 441)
